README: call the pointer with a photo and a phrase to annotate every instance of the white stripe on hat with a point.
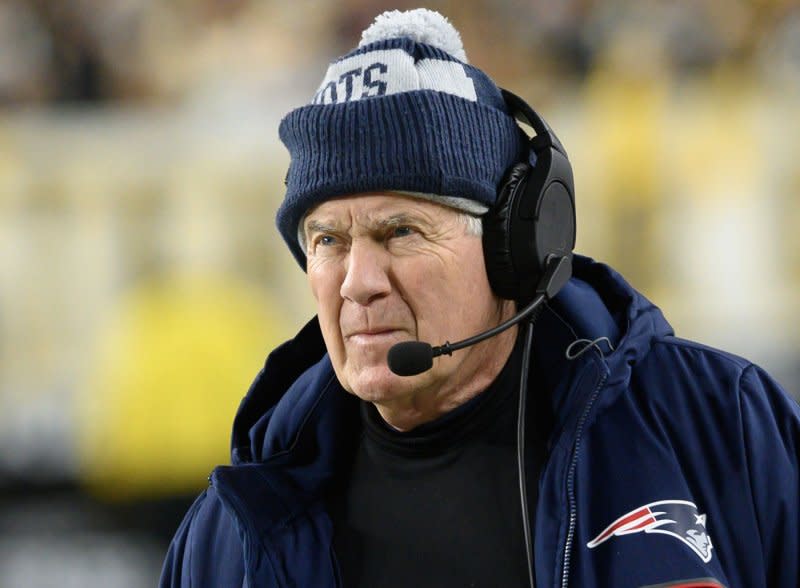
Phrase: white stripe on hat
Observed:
(391, 71)
(446, 76)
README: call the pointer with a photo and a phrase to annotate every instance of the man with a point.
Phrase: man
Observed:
(641, 459)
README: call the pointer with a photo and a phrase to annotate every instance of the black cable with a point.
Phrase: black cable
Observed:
(523, 492)
(528, 311)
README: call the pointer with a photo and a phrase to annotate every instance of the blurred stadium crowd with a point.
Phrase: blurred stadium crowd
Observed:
(143, 50)
(142, 282)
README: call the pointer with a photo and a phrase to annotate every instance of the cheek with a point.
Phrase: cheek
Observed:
(431, 290)
(449, 297)
(325, 280)
(325, 287)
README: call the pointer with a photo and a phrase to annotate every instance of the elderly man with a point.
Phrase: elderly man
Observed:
(422, 213)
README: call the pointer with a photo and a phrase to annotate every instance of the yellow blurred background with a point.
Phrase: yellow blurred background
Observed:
(142, 282)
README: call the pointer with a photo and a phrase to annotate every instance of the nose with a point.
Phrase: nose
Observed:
(367, 277)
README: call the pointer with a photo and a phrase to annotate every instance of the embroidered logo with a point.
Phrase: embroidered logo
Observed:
(677, 518)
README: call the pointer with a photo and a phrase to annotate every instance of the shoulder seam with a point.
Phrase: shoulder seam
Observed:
(740, 362)
(739, 392)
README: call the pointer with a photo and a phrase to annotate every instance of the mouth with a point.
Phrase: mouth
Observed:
(373, 336)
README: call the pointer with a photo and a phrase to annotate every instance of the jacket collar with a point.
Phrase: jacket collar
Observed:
(297, 413)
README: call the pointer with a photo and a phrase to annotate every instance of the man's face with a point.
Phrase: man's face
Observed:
(386, 268)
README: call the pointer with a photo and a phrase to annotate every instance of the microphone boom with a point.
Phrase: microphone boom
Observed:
(410, 358)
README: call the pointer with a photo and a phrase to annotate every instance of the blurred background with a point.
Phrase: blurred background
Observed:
(142, 281)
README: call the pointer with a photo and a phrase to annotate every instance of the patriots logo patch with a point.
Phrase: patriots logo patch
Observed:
(677, 518)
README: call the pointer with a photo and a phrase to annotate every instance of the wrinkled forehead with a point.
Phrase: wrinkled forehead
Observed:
(375, 207)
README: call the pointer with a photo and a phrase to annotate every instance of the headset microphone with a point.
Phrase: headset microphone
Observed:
(410, 358)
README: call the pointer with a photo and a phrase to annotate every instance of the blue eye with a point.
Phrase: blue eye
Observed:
(324, 245)
(402, 231)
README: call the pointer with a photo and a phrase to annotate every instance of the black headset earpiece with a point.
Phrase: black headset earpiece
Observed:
(533, 221)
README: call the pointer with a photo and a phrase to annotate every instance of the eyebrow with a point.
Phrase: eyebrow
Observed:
(315, 225)
(394, 220)
(399, 219)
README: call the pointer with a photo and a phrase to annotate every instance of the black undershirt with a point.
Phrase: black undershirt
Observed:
(438, 506)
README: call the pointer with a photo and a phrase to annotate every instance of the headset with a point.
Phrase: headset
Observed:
(528, 238)
(533, 222)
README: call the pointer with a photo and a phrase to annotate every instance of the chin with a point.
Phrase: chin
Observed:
(378, 384)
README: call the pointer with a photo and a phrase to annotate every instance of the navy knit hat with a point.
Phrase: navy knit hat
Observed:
(403, 112)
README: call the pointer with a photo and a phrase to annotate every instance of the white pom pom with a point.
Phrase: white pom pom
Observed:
(422, 25)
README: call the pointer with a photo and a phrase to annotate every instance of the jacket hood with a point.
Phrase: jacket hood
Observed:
(297, 413)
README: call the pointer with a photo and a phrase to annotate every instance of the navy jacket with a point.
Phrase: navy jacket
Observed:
(668, 461)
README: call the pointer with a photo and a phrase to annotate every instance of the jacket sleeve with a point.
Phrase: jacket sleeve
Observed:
(206, 550)
(771, 432)
(175, 572)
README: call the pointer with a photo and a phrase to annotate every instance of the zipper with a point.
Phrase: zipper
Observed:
(571, 482)
(337, 572)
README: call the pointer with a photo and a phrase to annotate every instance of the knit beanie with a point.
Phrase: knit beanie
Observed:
(403, 112)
